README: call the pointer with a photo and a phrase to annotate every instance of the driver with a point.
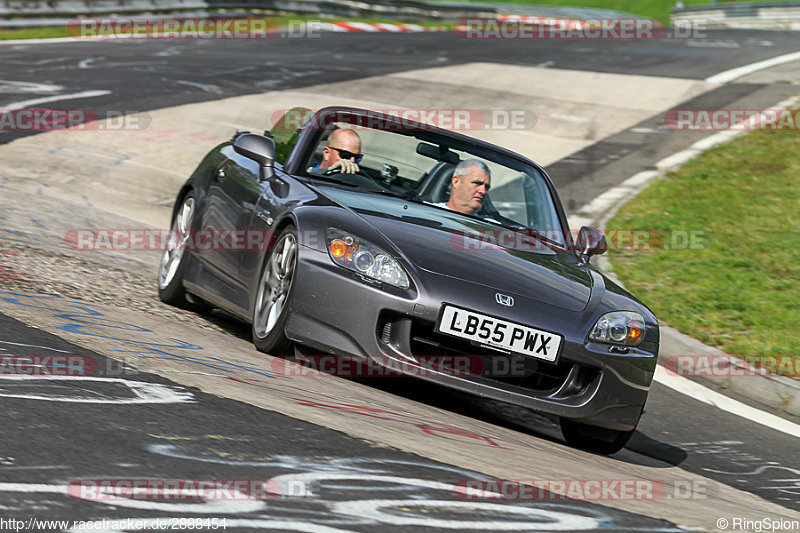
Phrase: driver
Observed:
(341, 152)
(470, 185)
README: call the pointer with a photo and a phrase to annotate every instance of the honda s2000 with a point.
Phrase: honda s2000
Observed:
(368, 259)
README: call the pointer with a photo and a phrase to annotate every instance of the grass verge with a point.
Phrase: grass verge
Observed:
(738, 287)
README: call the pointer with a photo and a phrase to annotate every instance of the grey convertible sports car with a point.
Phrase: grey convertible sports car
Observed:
(371, 262)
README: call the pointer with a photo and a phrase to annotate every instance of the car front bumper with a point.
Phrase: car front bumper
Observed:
(335, 312)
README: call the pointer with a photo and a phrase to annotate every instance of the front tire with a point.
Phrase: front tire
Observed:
(271, 308)
(593, 438)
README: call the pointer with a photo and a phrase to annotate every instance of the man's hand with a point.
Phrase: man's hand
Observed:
(345, 166)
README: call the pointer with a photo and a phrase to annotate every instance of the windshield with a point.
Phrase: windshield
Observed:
(419, 166)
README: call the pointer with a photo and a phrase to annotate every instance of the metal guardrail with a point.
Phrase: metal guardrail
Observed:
(22, 8)
(756, 15)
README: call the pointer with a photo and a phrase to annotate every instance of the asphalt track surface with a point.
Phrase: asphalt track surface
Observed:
(50, 443)
(209, 438)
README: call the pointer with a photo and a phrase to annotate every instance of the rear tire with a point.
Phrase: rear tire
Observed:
(173, 261)
(593, 438)
(271, 307)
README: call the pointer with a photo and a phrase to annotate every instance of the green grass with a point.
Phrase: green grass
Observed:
(740, 290)
(283, 20)
(34, 33)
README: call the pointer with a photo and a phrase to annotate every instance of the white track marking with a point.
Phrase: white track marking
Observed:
(143, 392)
(539, 519)
(738, 72)
(34, 346)
(705, 395)
(10, 86)
(207, 87)
(42, 41)
(87, 63)
(37, 101)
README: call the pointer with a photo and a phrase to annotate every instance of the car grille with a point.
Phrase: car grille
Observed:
(512, 369)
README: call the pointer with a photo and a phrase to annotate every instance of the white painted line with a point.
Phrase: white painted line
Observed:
(12, 86)
(34, 346)
(37, 101)
(705, 395)
(33, 487)
(732, 74)
(646, 130)
(144, 392)
(41, 41)
(571, 118)
(206, 87)
(85, 63)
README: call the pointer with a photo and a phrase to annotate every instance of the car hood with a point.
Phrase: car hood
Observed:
(438, 240)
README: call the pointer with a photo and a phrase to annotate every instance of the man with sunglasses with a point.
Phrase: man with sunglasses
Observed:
(341, 152)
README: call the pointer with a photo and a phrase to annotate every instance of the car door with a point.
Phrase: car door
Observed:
(231, 204)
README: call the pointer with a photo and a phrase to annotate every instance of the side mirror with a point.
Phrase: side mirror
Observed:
(591, 242)
(258, 148)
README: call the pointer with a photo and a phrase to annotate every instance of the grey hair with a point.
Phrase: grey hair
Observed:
(464, 166)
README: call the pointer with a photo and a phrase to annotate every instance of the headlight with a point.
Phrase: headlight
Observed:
(365, 258)
(620, 327)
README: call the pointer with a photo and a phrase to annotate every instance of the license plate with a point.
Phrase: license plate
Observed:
(499, 333)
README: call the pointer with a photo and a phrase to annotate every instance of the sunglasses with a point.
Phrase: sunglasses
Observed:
(347, 154)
